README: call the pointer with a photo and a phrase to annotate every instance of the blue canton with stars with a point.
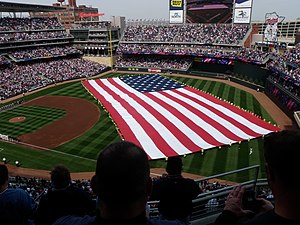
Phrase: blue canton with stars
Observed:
(150, 83)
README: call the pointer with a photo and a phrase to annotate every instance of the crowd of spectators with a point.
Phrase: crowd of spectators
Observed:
(293, 55)
(205, 40)
(19, 79)
(3, 60)
(236, 53)
(227, 34)
(92, 25)
(289, 79)
(154, 62)
(35, 187)
(286, 69)
(27, 24)
(28, 36)
(40, 52)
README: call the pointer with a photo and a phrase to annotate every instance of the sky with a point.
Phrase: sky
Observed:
(158, 9)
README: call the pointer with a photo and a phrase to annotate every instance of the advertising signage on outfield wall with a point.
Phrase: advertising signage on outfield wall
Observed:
(176, 4)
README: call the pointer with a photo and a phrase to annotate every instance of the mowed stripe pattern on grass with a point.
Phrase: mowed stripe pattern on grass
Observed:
(104, 133)
(97, 138)
(35, 118)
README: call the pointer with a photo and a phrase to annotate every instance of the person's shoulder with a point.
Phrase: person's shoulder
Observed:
(16, 191)
(75, 220)
(164, 222)
(189, 180)
(75, 190)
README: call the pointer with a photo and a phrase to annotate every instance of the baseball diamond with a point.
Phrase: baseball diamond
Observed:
(100, 130)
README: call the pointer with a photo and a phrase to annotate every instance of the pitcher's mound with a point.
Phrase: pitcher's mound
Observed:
(17, 119)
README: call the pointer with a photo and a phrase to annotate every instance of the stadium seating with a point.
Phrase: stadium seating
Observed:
(227, 34)
(204, 41)
(45, 41)
(205, 208)
(20, 79)
(29, 24)
(155, 62)
(92, 25)
(42, 52)
(25, 36)
(237, 53)
(3, 61)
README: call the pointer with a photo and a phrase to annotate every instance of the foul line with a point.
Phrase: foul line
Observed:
(63, 153)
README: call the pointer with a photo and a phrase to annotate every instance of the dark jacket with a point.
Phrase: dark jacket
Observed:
(58, 203)
(175, 194)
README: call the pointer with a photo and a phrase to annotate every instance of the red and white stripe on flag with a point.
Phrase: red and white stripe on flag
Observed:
(175, 122)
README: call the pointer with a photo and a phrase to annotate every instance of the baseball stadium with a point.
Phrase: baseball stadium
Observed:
(206, 86)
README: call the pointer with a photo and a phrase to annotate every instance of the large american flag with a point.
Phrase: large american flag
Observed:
(167, 118)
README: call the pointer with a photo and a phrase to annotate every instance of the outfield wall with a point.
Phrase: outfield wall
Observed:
(252, 73)
(219, 72)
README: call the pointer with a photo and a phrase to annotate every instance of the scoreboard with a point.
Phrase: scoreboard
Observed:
(211, 11)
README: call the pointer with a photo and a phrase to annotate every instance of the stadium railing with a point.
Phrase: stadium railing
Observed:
(297, 117)
(208, 205)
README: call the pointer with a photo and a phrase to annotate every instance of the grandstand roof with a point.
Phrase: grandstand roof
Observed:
(23, 7)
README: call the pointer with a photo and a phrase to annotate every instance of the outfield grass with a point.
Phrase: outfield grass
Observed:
(80, 154)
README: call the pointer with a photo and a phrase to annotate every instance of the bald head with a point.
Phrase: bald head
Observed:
(122, 174)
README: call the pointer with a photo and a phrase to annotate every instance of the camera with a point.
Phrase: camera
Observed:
(250, 202)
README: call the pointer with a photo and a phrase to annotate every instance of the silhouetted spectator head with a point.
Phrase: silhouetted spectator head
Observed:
(282, 154)
(174, 166)
(123, 176)
(60, 177)
(3, 174)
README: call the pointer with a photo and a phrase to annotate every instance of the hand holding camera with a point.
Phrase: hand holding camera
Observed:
(244, 203)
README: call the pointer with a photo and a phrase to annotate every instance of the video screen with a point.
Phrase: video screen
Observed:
(209, 11)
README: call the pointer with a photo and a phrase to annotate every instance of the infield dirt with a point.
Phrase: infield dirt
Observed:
(81, 115)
